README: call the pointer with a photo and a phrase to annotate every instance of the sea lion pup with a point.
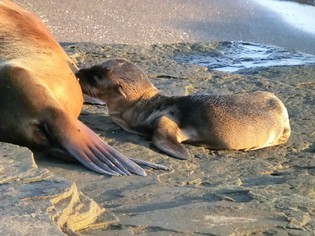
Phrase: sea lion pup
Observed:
(240, 122)
(41, 98)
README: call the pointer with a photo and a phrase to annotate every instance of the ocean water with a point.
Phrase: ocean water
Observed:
(301, 16)
(235, 56)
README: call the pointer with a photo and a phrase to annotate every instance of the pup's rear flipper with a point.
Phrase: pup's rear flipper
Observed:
(166, 137)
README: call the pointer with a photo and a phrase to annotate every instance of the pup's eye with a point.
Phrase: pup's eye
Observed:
(96, 78)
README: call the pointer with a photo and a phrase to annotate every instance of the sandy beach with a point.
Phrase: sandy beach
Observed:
(262, 192)
(171, 21)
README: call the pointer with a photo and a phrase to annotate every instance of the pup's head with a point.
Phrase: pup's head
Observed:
(116, 80)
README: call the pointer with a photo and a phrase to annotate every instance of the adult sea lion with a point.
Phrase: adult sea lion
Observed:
(40, 97)
(240, 122)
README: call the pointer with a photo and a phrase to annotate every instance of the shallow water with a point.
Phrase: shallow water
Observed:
(236, 56)
(298, 15)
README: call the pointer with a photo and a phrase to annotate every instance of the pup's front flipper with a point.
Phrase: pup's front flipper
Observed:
(167, 137)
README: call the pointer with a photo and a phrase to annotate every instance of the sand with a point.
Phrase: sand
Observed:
(171, 21)
(268, 191)
(263, 192)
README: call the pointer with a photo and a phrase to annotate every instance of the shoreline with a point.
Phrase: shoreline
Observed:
(173, 21)
(262, 192)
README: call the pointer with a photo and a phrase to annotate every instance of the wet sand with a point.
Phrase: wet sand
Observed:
(172, 21)
(263, 192)
(268, 191)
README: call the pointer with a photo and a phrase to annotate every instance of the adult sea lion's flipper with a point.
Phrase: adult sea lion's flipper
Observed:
(149, 164)
(167, 137)
(97, 152)
(76, 139)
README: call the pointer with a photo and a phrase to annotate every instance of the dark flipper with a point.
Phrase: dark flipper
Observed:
(165, 138)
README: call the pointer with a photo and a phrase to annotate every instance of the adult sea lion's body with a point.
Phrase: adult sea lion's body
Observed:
(40, 97)
(240, 122)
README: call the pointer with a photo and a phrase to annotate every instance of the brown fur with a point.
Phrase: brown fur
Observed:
(41, 98)
(240, 122)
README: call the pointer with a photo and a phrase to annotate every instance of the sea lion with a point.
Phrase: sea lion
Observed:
(238, 122)
(41, 98)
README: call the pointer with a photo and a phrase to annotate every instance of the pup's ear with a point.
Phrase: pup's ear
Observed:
(121, 91)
